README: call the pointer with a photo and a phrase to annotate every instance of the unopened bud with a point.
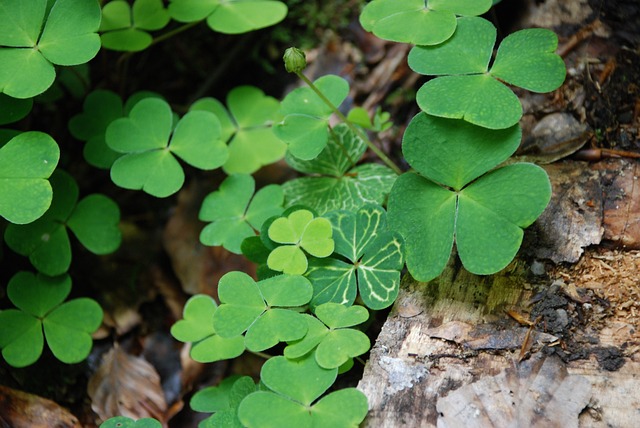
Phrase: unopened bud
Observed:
(294, 60)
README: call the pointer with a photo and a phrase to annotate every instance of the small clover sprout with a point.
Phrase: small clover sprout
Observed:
(223, 400)
(149, 142)
(232, 16)
(197, 327)
(26, 162)
(39, 300)
(235, 212)
(449, 199)
(93, 220)
(247, 126)
(300, 231)
(295, 385)
(470, 89)
(260, 309)
(306, 116)
(360, 116)
(420, 22)
(374, 258)
(36, 35)
(328, 334)
(123, 26)
(335, 183)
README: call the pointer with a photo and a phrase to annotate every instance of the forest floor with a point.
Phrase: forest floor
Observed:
(583, 257)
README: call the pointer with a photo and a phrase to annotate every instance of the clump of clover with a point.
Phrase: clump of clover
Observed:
(327, 249)
(467, 128)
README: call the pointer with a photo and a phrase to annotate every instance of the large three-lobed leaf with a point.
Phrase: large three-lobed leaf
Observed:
(305, 127)
(42, 314)
(93, 220)
(452, 198)
(35, 35)
(236, 213)
(196, 327)
(260, 309)
(247, 126)
(330, 338)
(294, 387)
(125, 27)
(150, 145)
(470, 88)
(334, 182)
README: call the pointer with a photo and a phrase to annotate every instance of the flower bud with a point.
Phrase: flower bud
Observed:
(294, 60)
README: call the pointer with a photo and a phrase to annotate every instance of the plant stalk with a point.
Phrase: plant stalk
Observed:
(383, 157)
(173, 32)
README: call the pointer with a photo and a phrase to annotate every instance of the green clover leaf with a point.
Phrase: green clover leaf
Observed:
(335, 184)
(26, 162)
(224, 401)
(453, 152)
(328, 334)
(471, 89)
(248, 127)
(303, 232)
(235, 212)
(232, 16)
(123, 26)
(100, 108)
(67, 326)
(124, 422)
(258, 309)
(306, 116)
(295, 385)
(36, 35)
(418, 22)
(374, 257)
(150, 144)
(214, 399)
(93, 220)
(197, 327)
(454, 199)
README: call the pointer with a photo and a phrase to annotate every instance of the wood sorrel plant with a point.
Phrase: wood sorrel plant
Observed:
(327, 250)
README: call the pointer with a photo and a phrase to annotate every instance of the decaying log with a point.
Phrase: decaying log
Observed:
(449, 355)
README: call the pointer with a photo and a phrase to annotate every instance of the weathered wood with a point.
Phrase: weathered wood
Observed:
(411, 366)
(448, 356)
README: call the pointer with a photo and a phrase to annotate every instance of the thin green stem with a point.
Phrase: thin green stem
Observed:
(161, 38)
(262, 355)
(383, 157)
(173, 32)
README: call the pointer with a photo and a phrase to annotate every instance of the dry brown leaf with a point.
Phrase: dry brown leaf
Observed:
(22, 410)
(125, 385)
(539, 393)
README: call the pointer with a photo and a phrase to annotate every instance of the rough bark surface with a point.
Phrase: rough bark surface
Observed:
(556, 349)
